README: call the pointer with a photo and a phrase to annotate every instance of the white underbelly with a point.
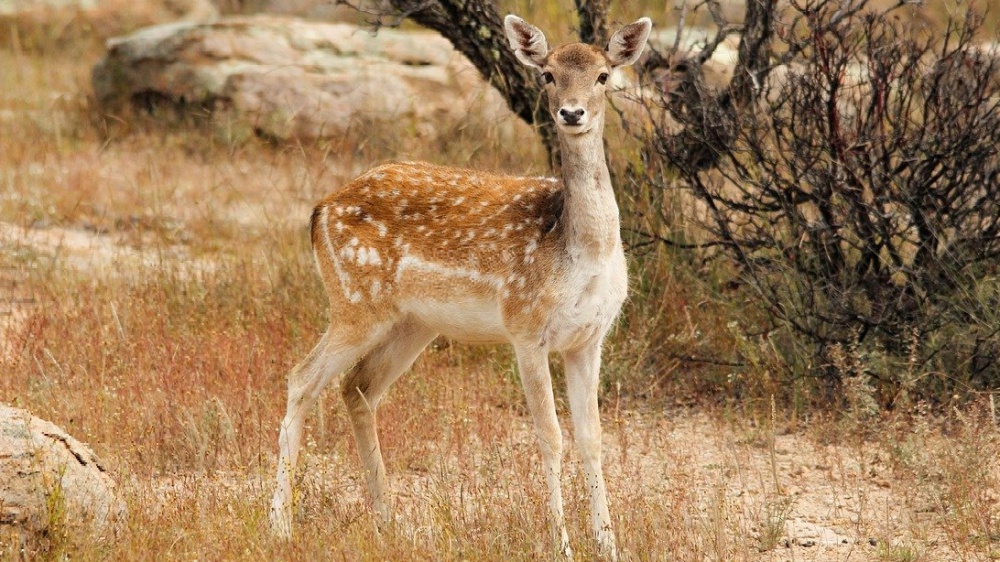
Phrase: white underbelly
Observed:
(467, 320)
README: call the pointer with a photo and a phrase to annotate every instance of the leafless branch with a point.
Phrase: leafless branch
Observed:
(681, 21)
(398, 16)
(860, 192)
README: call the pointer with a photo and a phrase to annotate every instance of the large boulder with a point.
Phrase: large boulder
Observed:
(48, 478)
(290, 78)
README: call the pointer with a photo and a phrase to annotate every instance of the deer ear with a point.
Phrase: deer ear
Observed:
(627, 44)
(527, 41)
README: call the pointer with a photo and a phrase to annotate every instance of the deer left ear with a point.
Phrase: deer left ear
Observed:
(528, 41)
(627, 44)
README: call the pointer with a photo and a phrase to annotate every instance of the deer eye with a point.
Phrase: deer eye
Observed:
(547, 76)
(603, 78)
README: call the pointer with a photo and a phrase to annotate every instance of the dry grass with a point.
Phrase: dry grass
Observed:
(156, 284)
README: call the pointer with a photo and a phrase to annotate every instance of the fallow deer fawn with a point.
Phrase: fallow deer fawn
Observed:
(408, 251)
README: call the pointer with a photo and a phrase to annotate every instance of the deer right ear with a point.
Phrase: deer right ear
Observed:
(628, 42)
(527, 41)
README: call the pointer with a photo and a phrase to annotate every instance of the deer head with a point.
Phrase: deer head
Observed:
(576, 75)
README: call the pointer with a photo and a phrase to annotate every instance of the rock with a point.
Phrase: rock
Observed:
(49, 478)
(309, 9)
(288, 78)
(40, 24)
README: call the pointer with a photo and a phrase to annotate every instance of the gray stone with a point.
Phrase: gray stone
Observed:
(290, 78)
(49, 478)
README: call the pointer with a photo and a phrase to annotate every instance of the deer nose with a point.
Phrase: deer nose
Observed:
(571, 116)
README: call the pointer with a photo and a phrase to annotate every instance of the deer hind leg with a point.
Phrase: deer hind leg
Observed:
(583, 368)
(335, 352)
(362, 389)
(533, 365)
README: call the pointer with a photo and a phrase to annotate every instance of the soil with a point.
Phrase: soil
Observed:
(786, 492)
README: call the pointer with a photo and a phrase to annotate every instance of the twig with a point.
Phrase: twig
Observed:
(398, 18)
(668, 242)
(680, 24)
(704, 360)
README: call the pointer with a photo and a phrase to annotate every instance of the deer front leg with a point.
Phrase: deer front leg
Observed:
(583, 368)
(533, 364)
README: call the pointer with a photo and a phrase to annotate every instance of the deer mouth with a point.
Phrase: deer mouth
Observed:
(576, 128)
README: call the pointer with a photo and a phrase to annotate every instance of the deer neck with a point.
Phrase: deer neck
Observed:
(590, 212)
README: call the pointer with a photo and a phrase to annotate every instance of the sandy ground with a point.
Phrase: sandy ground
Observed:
(795, 498)
(788, 499)
(77, 249)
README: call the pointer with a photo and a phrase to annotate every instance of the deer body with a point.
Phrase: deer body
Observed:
(390, 245)
(408, 251)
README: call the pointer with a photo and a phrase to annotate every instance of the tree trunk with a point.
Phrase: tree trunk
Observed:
(593, 21)
(475, 29)
(754, 55)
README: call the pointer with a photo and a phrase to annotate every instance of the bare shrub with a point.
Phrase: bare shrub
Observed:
(858, 194)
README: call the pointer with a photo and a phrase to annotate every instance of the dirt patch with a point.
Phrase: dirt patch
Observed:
(32, 248)
(29, 249)
(77, 248)
(778, 497)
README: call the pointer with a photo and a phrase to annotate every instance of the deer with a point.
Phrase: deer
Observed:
(410, 251)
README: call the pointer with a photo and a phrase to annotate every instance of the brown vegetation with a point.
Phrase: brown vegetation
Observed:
(165, 348)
